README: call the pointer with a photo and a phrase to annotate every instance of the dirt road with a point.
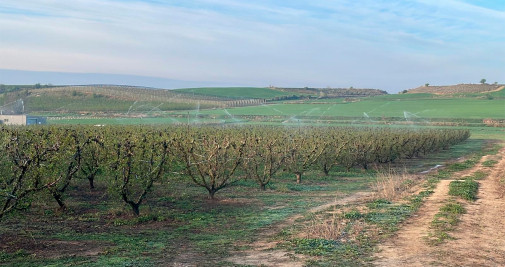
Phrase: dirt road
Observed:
(479, 237)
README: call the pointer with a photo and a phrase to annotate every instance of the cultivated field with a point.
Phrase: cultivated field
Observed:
(386, 180)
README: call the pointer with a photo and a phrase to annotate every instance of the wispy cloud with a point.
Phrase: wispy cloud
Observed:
(368, 43)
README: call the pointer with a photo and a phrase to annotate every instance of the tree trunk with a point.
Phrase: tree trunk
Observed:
(58, 197)
(212, 192)
(135, 208)
(326, 170)
(91, 179)
(263, 187)
(298, 177)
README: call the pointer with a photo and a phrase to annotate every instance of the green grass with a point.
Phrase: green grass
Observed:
(489, 163)
(50, 103)
(235, 92)
(444, 222)
(499, 94)
(409, 108)
(479, 175)
(460, 166)
(175, 214)
(466, 189)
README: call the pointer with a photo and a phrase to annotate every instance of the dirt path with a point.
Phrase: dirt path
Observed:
(480, 236)
(262, 252)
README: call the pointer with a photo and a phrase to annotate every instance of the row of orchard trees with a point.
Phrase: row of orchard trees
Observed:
(132, 160)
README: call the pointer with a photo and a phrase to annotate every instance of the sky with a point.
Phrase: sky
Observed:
(389, 45)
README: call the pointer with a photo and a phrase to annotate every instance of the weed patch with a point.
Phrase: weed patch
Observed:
(333, 252)
(478, 175)
(460, 166)
(445, 221)
(466, 189)
(353, 215)
(489, 163)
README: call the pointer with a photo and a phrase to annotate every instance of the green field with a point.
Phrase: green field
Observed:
(77, 104)
(388, 110)
(411, 108)
(419, 108)
(235, 92)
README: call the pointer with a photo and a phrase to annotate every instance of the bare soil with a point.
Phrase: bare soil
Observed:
(479, 237)
(458, 89)
(52, 249)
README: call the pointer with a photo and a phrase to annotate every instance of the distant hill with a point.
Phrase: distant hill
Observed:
(458, 89)
(235, 92)
(333, 92)
(280, 93)
(64, 78)
(103, 98)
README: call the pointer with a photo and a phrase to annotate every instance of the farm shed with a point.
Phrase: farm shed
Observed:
(21, 120)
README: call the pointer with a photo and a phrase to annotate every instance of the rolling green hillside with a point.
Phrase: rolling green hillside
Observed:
(132, 105)
(127, 99)
(235, 92)
(410, 108)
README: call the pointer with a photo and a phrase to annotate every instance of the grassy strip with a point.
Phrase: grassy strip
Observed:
(466, 189)
(489, 163)
(478, 175)
(444, 222)
(362, 228)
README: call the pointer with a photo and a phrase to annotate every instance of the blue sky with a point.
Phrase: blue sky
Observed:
(391, 45)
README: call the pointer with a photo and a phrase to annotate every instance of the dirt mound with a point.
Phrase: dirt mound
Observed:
(458, 89)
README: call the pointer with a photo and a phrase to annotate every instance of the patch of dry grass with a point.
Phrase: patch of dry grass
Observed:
(330, 228)
(393, 185)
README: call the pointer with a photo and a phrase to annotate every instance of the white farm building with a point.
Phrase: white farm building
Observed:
(21, 120)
